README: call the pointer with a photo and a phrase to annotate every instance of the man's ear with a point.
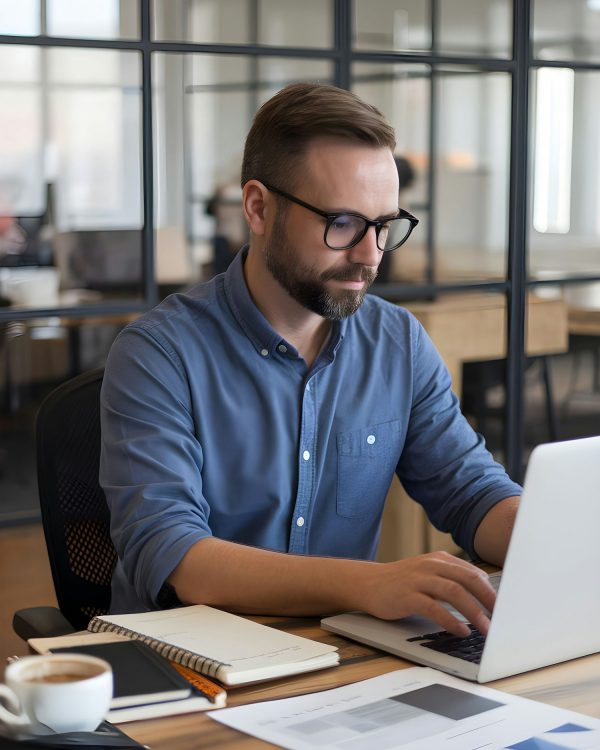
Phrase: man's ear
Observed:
(255, 197)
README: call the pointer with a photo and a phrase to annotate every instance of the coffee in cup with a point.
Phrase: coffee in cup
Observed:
(64, 677)
(55, 693)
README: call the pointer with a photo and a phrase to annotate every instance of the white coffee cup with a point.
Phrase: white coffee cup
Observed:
(55, 693)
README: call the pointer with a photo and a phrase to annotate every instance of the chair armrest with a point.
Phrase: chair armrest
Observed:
(40, 622)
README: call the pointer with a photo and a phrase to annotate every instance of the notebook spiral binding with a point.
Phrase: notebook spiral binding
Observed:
(197, 662)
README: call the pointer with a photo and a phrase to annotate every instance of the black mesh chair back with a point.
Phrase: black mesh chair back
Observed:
(74, 511)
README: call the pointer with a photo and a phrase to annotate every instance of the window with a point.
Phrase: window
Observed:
(553, 150)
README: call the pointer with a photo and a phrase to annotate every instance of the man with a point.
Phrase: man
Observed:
(251, 427)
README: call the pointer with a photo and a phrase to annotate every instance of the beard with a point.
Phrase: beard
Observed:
(306, 285)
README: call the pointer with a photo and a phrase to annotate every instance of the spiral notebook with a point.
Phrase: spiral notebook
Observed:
(232, 649)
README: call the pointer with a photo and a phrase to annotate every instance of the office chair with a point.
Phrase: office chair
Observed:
(74, 512)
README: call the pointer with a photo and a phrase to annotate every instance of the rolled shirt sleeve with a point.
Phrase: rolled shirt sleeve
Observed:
(151, 462)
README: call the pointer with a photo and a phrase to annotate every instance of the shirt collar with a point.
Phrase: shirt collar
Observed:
(257, 328)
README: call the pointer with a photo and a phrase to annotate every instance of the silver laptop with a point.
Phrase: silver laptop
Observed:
(548, 604)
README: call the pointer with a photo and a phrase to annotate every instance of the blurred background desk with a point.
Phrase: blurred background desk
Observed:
(584, 336)
(465, 328)
(584, 321)
(472, 327)
(53, 348)
(74, 326)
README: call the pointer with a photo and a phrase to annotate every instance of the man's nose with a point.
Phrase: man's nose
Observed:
(366, 251)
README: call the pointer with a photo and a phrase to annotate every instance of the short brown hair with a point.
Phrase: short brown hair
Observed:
(286, 124)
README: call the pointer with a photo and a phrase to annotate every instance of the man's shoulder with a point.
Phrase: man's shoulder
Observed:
(181, 327)
(180, 308)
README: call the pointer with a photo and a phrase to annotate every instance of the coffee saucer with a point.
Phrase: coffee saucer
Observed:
(105, 736)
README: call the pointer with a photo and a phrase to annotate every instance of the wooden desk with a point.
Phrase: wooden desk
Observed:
(584, 321)
(574, 685)
(464, 328)
(472, 327)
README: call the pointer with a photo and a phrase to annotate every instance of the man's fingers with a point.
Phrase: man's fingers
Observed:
(461, 599)
(432, 609)
(480, 587)
(469, 578)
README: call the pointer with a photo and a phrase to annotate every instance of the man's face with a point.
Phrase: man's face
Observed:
(336, 176)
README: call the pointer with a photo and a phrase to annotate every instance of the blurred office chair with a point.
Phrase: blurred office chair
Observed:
(480, 377)
(74, 512)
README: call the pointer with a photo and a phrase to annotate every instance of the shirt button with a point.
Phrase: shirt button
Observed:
(371, 439)
(282, 348)
(308, 386)
(300, 521)
(264, 352)
(306, 455)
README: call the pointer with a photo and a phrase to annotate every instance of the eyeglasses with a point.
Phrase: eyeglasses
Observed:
(345, 229)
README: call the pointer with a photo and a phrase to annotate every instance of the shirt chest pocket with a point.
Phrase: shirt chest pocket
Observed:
(367, 458)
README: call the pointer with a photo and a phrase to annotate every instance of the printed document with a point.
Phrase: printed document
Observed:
(413, 709)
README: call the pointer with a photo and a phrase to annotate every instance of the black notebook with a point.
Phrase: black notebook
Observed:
(140, 674)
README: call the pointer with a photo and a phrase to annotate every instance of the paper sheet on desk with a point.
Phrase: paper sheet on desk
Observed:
(412, 709)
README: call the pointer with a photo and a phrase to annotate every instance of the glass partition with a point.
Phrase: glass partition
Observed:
(70, 175)
(21, 138)
(475, 27)
(93, 19)
(566, 30)
(21, 19)
(398, 25)
(402, 93)
(271, 22)
(85, 19)
(467, 27)
(204, 105)
(472, 174)
(564, 229)
(564, 233)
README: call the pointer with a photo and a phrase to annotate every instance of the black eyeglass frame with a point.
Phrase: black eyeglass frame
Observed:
(331, 217)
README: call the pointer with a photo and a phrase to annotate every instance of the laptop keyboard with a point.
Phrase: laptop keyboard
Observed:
(469, 647)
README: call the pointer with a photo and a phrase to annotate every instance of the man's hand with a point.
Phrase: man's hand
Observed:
(419, 585)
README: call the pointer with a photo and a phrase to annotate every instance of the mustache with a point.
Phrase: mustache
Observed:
(351, 273)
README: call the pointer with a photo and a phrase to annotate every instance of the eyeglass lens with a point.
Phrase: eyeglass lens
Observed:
(346, 230)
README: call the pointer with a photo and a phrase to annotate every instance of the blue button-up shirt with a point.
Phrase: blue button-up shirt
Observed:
(212, 424)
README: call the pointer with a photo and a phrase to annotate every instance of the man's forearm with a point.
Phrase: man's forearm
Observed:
(256, 581)
(493, 534)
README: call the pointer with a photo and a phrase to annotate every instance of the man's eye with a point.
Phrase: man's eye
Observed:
(340, 222)
(344, 223)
